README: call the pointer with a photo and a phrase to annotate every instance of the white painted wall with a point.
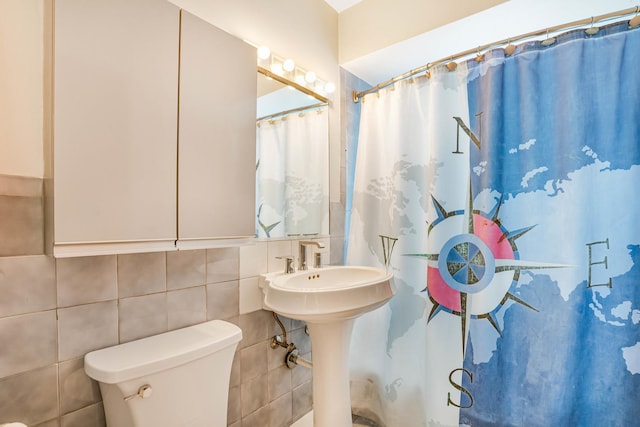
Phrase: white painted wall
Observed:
(21, 87)
(372, 25)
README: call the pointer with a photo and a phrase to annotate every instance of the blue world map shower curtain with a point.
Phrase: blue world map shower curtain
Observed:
(508, 208)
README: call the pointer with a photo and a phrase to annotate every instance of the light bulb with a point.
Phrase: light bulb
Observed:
(289, 65)
(310, 76)
(330, 87)
(264, 52)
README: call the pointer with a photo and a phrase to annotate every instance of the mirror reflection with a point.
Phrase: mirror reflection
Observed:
(292, 161)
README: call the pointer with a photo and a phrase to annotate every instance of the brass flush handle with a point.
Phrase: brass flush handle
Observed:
(144, 392)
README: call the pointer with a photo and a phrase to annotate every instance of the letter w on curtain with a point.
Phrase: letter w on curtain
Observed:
(406, 160)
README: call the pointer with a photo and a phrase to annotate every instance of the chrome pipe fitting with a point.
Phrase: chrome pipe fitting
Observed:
(293, 359)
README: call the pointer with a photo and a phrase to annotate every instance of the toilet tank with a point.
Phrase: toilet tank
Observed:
(178, 378)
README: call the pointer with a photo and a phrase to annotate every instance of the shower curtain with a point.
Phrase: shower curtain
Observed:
(292, 187)
(503, 195)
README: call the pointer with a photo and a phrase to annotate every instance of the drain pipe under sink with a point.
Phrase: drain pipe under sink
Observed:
(292, 359)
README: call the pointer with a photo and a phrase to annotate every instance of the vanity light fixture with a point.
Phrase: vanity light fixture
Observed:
(272, 65)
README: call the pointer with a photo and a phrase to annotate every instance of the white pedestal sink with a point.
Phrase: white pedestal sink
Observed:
(328, 299)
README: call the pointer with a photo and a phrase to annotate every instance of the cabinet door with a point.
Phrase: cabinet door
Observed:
(216, 171)
(115, 125)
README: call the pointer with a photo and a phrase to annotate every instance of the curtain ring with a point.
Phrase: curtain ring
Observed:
(451, 66)
(592, 30)
(548, 41)
(509, 48)
(635, 21)
(479, 56)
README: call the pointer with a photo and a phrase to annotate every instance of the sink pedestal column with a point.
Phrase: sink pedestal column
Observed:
(330, 353)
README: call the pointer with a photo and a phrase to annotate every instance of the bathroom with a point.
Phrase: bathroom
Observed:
(55, 310)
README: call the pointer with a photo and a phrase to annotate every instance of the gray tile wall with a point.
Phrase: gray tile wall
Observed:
(52, 312)
(22, 213)
(103, 301)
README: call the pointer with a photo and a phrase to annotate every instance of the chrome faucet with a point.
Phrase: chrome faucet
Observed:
(288, 265)
(302, 259)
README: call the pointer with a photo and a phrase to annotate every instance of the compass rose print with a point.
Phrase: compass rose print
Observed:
(477, 267)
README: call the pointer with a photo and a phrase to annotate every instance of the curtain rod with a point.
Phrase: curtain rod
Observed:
(293, 110)
(450, 59)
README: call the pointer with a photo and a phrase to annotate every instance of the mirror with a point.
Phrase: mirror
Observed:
(292, 160)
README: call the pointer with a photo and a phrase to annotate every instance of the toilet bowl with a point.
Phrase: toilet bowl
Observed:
(178, 378)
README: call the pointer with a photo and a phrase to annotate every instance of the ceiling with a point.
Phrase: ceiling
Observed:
(340, 5)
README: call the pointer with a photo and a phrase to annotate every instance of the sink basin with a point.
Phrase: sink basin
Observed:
(328, 299)
(327, 294)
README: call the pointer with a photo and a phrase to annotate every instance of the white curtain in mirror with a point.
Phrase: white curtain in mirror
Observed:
(292, 189)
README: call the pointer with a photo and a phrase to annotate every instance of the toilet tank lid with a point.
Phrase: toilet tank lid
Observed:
(159, 352)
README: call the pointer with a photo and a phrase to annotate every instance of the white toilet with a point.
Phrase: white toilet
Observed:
(179, 378)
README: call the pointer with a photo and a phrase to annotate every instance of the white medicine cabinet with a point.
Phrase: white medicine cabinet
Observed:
(153, 130)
